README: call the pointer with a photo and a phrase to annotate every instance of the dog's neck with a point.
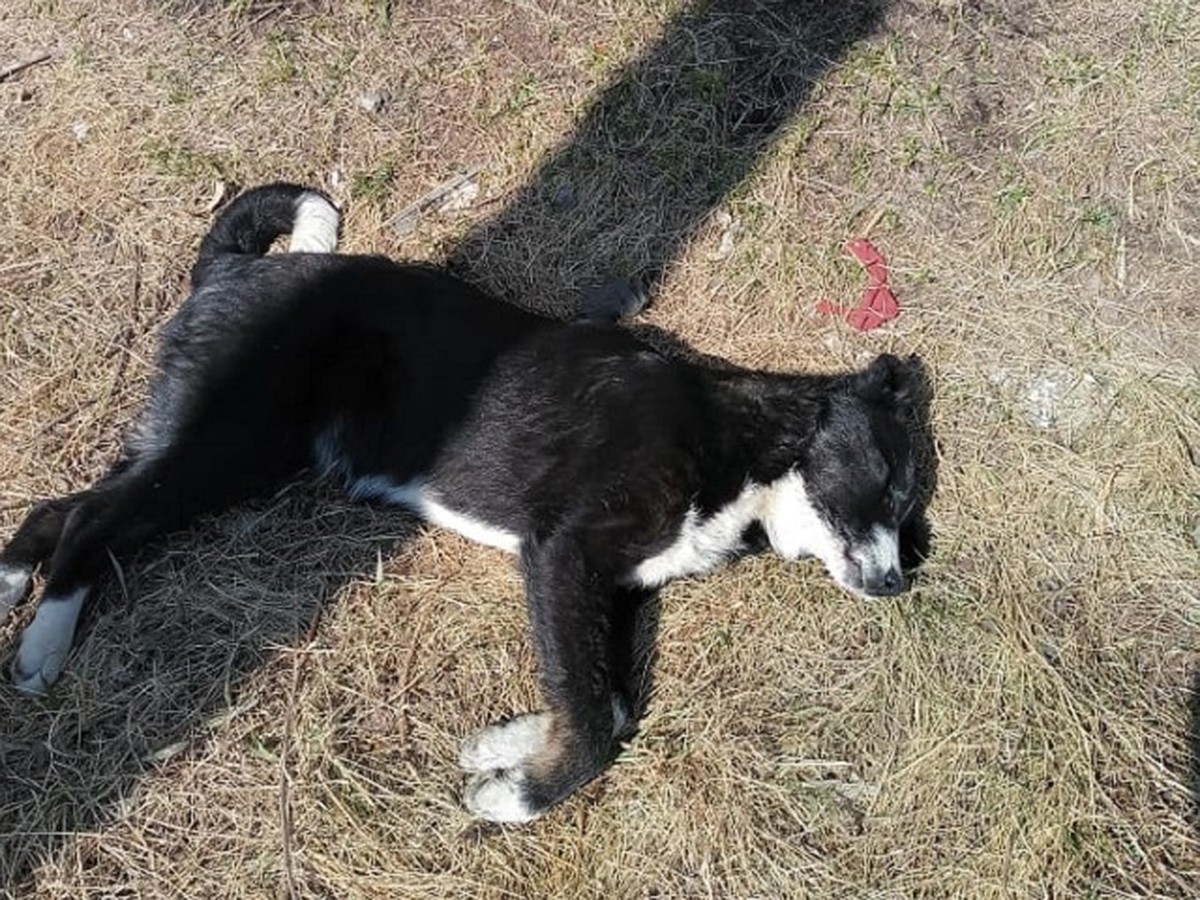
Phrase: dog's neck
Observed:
(775, 411)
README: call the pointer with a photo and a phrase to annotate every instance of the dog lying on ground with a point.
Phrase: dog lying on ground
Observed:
(608, 468)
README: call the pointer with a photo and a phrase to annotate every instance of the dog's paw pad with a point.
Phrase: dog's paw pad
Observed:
(499, 796)
(504, 745)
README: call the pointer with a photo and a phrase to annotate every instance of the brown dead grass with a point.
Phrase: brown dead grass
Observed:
(274, 707)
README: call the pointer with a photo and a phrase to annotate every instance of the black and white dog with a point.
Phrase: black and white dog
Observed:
(607, 467)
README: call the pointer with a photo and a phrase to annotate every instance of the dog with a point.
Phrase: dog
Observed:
(608, 467)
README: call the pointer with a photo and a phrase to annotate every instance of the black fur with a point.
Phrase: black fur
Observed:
(577, 439)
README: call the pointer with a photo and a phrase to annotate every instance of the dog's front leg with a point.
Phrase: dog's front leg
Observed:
(526, 765)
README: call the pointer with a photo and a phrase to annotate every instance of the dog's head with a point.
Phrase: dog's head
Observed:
(846, 498)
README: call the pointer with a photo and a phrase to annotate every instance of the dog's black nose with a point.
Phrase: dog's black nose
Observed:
(889, 585)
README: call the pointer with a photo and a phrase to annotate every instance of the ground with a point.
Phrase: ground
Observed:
(270, 704)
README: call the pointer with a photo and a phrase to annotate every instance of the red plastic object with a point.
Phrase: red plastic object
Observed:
(877, 304)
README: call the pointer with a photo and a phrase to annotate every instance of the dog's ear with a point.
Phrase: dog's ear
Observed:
(889, 380)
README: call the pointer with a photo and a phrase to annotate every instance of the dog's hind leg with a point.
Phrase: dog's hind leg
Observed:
(526, 765)
(117, 517)
(32, 545)
(78, 532)
(36, 540)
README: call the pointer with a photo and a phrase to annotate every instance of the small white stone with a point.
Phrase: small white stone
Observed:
(1042, 401)
(730, 227)
(371, 101)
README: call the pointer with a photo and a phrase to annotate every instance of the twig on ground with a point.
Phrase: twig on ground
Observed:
(285, 805)
(873, 221)
(407, 218)
(23, 64)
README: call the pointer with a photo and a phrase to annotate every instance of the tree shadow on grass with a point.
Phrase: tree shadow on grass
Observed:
(171, 643)
(667, 142)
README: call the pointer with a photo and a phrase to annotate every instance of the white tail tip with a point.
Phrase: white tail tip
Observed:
(316, 226)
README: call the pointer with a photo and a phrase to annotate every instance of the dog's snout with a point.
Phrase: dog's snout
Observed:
(885, 584)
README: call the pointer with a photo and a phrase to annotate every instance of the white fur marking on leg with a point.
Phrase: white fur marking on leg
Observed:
(505, 745)
(499, 797)
(14, 582)
(380, 487)
(316, 226)
(46, 642)
(425, 503)
(469, 527)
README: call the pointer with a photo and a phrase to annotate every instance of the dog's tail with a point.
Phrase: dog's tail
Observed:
(249, 224)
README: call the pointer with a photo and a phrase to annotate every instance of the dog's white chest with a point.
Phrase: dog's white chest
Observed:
(702, 544)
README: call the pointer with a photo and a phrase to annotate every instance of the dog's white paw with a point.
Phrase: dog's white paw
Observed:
(499, 796)
(501, 759)
(14, 582)
(36, 684)
(504, 745)
(38, 665)
(497, 756)
(46, 643)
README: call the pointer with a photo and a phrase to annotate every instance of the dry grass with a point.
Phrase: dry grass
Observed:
(273, 708)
